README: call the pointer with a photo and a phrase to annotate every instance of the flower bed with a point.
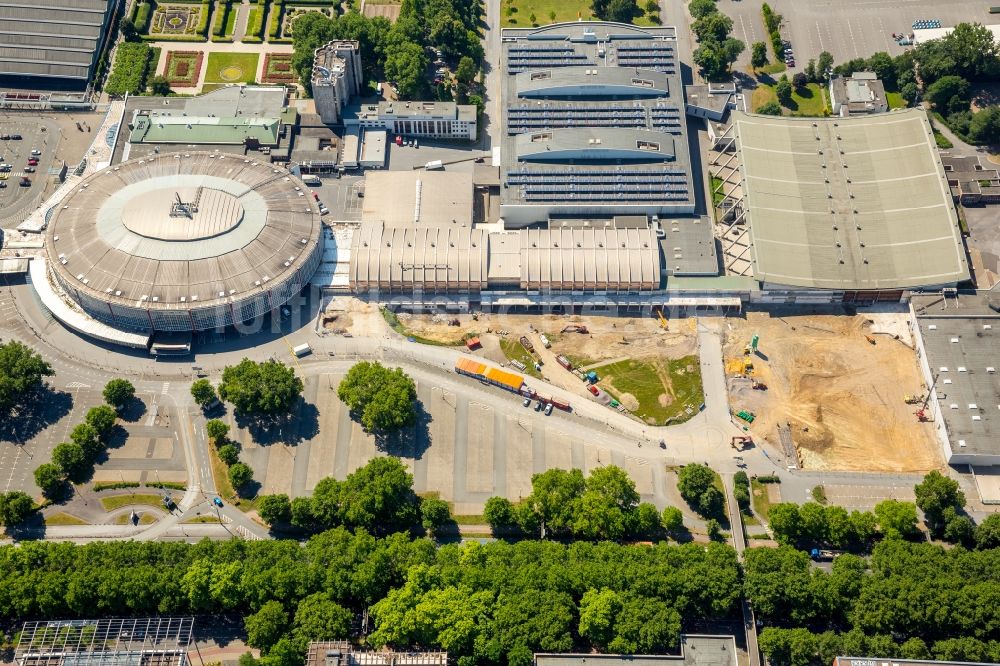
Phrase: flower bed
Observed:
(278, 68)
(183, 68)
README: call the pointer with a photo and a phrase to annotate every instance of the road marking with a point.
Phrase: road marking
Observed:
(165, 389)
(77, 385)
(12, 468)
(819, 34)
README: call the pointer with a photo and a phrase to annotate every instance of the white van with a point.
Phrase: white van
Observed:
(302, 350)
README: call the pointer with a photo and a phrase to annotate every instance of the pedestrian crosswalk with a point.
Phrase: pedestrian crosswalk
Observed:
(165, 389)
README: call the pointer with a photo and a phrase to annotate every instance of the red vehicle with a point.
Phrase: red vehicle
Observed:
(593, 389)
(315, 196)
(32, 162)
(399, 139)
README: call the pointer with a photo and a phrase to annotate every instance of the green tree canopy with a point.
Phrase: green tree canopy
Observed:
(119, 392)
(896, 519)
(320, 618)
(15, 507)
(783, 90)
(71, 459)
(598, 611)
(267, 625)
(435, 514)
(216, 430)
(203, 392)
(49, 477)
(941, 92)
(936, 493)
(159, 85)
(102, 418)
(240, 475)
(88, 439)
(22, 374)
(770, 108)
(383, 398)
(696, 484)
(984, 128)
(264, 389)
(673, 520)
(229, 454)
(701, 8)
(406, 65)
(988, 532)
(275, 509)
(758, 52)
(499, 514)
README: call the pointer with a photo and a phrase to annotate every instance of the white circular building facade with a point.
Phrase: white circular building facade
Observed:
(185, 241)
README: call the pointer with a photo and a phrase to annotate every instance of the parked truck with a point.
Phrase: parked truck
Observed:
(564, 362)
(823, 555)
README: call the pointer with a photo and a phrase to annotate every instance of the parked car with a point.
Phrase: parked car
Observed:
(218, 502)
(35, 151)
(29, 169)
(527, 402)
(548, 409)
(15, 137)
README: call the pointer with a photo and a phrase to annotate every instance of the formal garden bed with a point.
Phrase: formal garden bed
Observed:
(278, 68)
(292, 12)
(231, 67)
(183, 68)
(174, 20)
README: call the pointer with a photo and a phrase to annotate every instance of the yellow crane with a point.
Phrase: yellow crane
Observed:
(663, 320)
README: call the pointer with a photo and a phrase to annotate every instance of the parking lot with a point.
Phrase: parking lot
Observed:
(847, 29)
(36, 134)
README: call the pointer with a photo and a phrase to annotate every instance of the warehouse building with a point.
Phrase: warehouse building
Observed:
(857, 95)
(593, 123)
(843, 209)
(46, 44)
(958, 340)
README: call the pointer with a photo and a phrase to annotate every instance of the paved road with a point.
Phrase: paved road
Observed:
(491, 63)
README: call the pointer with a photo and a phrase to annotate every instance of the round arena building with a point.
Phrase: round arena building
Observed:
(185, 241)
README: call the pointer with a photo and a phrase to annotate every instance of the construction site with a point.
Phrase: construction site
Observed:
(831, 391)
(646, 367)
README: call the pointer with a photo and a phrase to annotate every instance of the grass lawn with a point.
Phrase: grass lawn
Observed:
(231, 67)
(118, 501)
(515, 351)
(565, 10)
(895, 100)
(808, 102)
(231, 19)
(64, 519)
(144, 519)
(664, 389)
(717, 194)
(759, 497)
(220, 472)
(773, 68)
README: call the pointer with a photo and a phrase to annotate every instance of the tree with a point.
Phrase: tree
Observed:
(708, 57)
(936, 493)
(229, 454)
(783, 89)
(554, 497)
(701, 8)
(881, 63)
(240, 475)
(823, 66)
(405, 64)
(786, 522)
(129, 32)
(49, 478)
(598, 610)
(266, 626)
(799, 80)
(696, 484)
(606, 505)
(466, 70)
(673, 520)
(260, 389)
(896, 519)
(758, 52)
(646, 626)
(499, 514)
(533, 19)
(217, 431)
(434, 514)
(383, 398)
(621, 11)
(984, 128)
(88, 439)
(652, 6)
(988, 532)
(203, 392)
(274, 509)
(378, 497)
(552, 16)
(15, 507)
(715, 26)
(320, 618)
(810, 70)
(71, 459)
(958, 528)
(909, 93)
(22, 374)
(102, 418)
(119, 392)
(714, 530)
(159, 85)
(770, 108)
(944, 89)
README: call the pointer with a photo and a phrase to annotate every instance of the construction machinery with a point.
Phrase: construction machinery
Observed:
(747, 365)
(921, 413)
(746, 416)
(663, 320)
(741, 442)
(574, 328)
(758, 386)
(870, 339)
(752, 347)
(913, 399)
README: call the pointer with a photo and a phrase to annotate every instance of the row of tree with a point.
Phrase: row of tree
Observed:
(240, 474)
(801, 647)
(717, 49)
(74, 460)
(564, 504)
(493, 603)
(904, 589)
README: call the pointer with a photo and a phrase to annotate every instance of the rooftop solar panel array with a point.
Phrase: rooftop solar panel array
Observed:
(600, 185)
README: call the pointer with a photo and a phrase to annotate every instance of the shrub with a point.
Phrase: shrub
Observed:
(142, 13)
(128, 75)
